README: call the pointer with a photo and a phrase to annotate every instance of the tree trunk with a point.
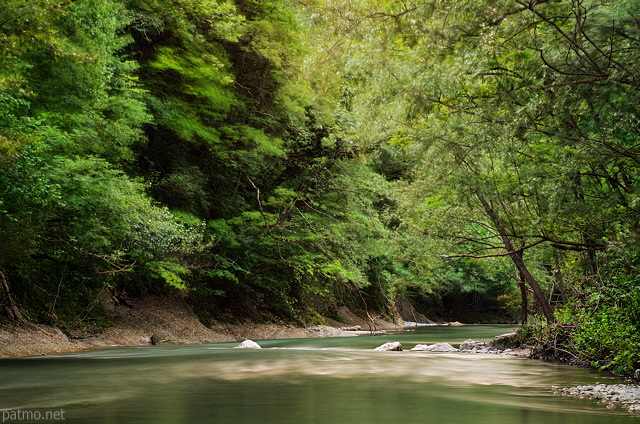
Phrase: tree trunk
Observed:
(12, 309)
(517, 258)
(524, 311)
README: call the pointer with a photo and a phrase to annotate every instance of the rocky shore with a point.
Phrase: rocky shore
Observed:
(505, 345)
(613, 395)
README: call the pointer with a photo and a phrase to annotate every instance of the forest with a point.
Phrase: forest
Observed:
(475, 160)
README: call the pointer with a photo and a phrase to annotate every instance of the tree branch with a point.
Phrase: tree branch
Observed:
(495, 255)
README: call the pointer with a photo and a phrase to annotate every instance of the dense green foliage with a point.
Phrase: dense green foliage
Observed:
(156, 145)
(518, 125)
(281, 160)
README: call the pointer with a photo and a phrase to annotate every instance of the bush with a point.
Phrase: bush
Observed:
(599, 334)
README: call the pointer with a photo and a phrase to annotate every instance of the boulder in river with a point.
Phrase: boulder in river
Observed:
(389, 346)
(504, 341)
(470, 345)
(438, 347)
(249, 344)
(420, 347)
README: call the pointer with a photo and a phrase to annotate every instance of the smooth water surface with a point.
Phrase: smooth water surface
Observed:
(333, 381)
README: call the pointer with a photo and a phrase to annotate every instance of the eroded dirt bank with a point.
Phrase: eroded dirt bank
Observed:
(160, 319)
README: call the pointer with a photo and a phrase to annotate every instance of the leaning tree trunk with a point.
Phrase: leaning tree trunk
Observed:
(524, 310)
(517, 258)
(12, 309)
(533, 283)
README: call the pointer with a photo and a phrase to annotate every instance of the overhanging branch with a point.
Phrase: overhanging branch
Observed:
(558, 244)
(495, 255)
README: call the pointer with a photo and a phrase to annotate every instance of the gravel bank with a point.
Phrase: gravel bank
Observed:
(613, 395)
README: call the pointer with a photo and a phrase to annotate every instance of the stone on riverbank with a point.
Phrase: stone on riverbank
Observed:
(504, 341)
(438, 347)
(389, 346)
(248, 344)
(352, 328)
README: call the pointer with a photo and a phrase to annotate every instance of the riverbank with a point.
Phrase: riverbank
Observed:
(162, 320)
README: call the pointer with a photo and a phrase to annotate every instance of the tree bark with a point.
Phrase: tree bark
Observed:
(12, 309)
(518, 260)
(524, 309)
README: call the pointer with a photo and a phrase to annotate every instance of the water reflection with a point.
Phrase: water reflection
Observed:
(301, 381)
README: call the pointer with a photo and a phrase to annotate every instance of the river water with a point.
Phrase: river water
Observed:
(323, 381)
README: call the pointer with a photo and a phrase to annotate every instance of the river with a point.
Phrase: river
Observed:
(301, 381)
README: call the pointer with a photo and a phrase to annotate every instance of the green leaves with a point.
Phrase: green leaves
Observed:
(98, 215)
(530, 107)
(238, 148)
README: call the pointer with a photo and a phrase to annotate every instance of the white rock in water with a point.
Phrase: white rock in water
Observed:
(438, 347)
(420, 347)
(470, 344)
(248, 344)
(389, 346)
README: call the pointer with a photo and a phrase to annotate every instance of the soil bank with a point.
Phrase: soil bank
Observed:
(161, 319)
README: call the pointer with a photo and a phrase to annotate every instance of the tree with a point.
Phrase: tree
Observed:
(512, 104)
